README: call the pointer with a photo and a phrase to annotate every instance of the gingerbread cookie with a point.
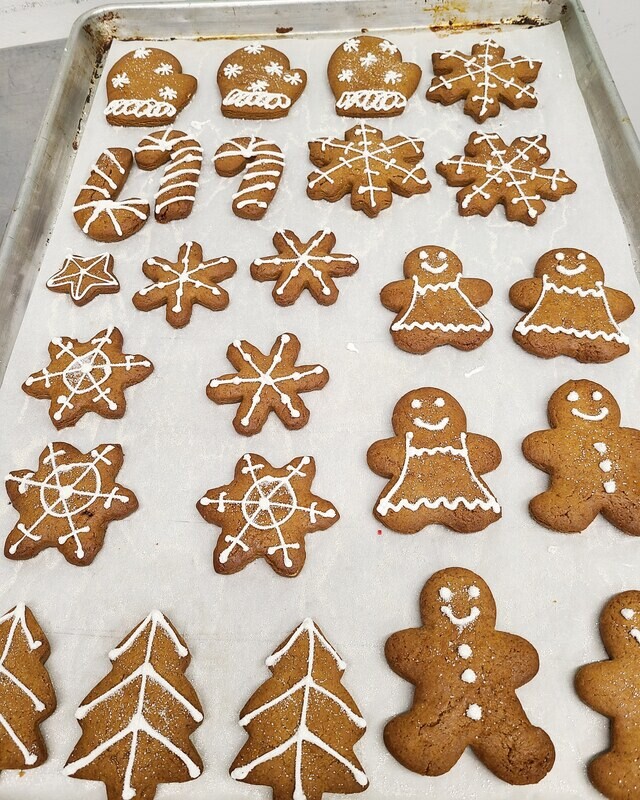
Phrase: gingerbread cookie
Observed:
(263, 384)
(368, 167)
(264, 163)
(466, 674)
(85, 278)
(136, 722)
(369, 78)
(435, 305)
(593, 463)
(147, 87)
(182, 155)
(302, 723)
(434, 467)
(570, 310)
(484, 78)
(97, 211)
(68, 502)
(27, 697)
(304, 265)
(611, 688)
(257, 82)
(181, 284)
(265, 512)
(87, 376)
(492, 172)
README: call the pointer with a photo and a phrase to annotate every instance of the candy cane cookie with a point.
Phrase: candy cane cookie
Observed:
(97, 210)
(259, 185)
(179, 183)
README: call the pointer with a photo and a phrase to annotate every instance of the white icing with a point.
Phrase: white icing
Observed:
(468, 676)
(602, 413)
(82, 275)
(601, 447)
(430, 426)
(464, 651)
(473, 592)
(371, 99)
(628, 613)
(461, 622)
(445, 594)
(241, 98)
(264, 158)
(141, 108)
(474, 712)
(596, 396)
(609, 486)
(439, 402)
(635, 634)
(573, 397)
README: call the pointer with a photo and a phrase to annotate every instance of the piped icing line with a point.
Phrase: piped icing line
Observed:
(264, 163)
(241, 98)
(147, 108)
(82, 279)
(371, 100)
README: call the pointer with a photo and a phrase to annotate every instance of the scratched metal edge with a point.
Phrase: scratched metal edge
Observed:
(37, 203)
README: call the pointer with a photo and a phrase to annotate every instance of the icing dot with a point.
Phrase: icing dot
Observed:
(581, 256)
(464, 651)
(469, 676)
(442, 255)
(605, 465)
(66, 492)
(609, 487)
(439, 402)
(474, 712)
(628, 613)
(597, 395)
(573, 396)
(285, 338)
(422, 254)
(445, 594)
(559, 256)
(416, 404)
(474, 592)
(601, 447)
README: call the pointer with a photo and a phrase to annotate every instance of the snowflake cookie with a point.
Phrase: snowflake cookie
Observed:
(369, 78)
(146, 87)
(137, 721)
(87, 376)
(484, 79)
(180, 284)
(569, 309)
(593, 463)
(302, 723)
(368, 167)
(85, 278)
(492, 172)
(257, 82)
(68, 502)
(304, 265)
(434, 466)
(27, 697)
(466, 674)
(266, 383)
(435, 305)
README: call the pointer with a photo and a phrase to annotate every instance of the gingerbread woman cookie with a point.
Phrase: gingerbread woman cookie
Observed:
(465, 673)
(593, 463)
(570, 310)
(611, 688)
(435, 305)
(85, 278)
(369, 78)
(434, 467)
(257, 82)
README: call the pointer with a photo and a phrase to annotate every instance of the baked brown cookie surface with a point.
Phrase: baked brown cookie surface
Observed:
(570, 310)
(435, 305)
(592, 462)
(434, 466)
(68, 502)
(483, 78)
(465, 673)
(611, 688)
(85, 278)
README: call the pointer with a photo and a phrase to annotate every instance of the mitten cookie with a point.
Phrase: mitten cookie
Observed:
(369, 78)
(265, 512)
(368, 167)
(68, 502)
(304, 265)
(492, 172)
(147, 87)
(85, 278)
(181, 284)
(136, 722)
(435, 305)
(484, 78)
(26, 694)
(593, 463)
(571, 311)
(87, 376)
(266, 383)
(257, 82)
(465, 673)
(611, 688)
(302, 723)
(434, 467)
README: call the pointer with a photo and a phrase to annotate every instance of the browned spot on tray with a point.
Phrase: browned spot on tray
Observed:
(281, 29)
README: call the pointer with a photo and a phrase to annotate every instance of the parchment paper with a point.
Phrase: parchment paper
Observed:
(358, 585)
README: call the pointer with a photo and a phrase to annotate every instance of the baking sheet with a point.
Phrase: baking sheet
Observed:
(358, 585)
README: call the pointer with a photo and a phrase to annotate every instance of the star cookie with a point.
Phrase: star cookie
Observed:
(85, 278)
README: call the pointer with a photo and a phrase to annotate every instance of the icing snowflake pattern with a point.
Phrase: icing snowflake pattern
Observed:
(392, 77)
(293, 78)
(345, 75)
(254, 49)
(167, 93)
(142, 52)
(388, 47)
(369, 60)
(120, 80)
(84, 278)
(164, 69)
(273, 68)
(351, 45)
(232, 70)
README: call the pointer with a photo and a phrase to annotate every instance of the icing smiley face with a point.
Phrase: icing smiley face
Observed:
(570, 267)
(620, 625)
(430, 415)
(583, 403)
(458, 599)
(432, 265)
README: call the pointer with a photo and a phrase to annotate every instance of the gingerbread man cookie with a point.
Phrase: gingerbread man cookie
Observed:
(611, 688)
(257, 82)
(435, 305)
(85, 278)
(434, 467)
(465, 673)
(147, 87)
(593, 463)
(570, 310)
(369, 78)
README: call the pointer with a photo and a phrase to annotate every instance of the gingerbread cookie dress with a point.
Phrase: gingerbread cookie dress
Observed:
(434, 466)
